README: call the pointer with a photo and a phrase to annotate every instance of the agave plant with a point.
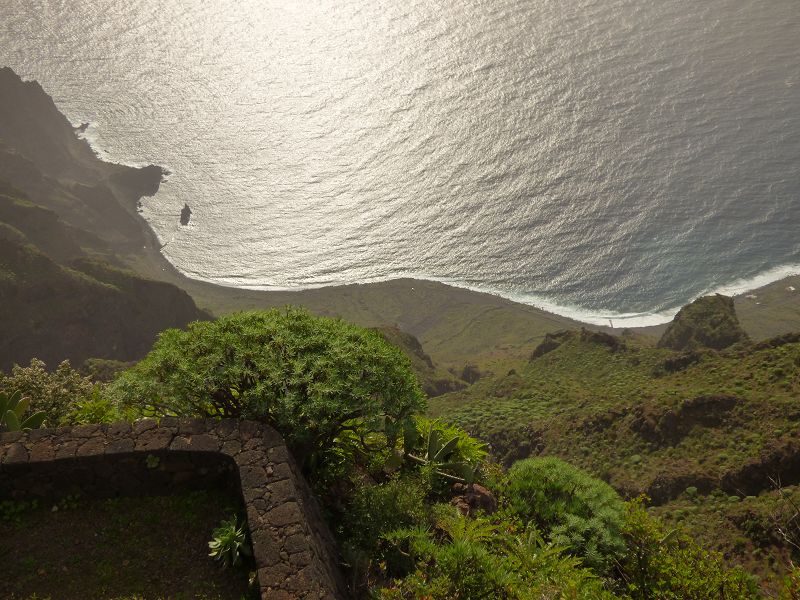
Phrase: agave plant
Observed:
(439, 453)
(12, 411)
(229, 544)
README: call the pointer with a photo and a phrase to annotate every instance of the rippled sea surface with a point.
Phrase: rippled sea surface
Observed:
(595, 157)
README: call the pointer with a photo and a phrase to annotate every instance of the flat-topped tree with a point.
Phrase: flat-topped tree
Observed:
(312, 378)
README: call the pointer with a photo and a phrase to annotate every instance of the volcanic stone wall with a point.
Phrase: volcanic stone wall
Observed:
(292, 547)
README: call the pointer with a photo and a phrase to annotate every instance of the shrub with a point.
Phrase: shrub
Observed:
(468, 449)
(378, 509)
(475, 558)
(669, 565)
(446, 452)
(95, 409)
(573, 509)
(12, 408)
(55, 393)
(373, 512)
(311, 378)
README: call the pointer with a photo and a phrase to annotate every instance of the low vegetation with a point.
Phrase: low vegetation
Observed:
(123, 548)
(710, 424)
(418, 505)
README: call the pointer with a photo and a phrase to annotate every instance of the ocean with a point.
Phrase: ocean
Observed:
(599, 159)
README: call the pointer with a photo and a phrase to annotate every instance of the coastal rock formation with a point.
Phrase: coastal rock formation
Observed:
(708, 322)
(68, 233)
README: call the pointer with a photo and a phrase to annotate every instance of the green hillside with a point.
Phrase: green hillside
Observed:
(647, 420)
(62, 299)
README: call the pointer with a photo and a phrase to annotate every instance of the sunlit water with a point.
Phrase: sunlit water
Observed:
(596, 158)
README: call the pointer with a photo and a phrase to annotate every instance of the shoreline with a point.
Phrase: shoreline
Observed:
(739, 287)
(611, 320)
(426, 307)
(766, 310)
(455, 325)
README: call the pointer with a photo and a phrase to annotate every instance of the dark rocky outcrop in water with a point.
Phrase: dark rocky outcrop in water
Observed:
(708, 322)
(68, 230)
(186, 214)
(145, 180)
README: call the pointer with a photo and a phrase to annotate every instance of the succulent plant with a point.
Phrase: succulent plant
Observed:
(229, 543)
(12, 411)
(439, 453)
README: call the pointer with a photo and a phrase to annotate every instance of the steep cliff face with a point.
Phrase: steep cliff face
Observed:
(68, 227)
(32, 125)
(41, 155)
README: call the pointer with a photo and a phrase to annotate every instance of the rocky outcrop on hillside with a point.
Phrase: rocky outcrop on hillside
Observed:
(434, 381)
(708, 322)
(554, 340)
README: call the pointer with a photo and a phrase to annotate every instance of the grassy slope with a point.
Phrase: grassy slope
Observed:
(455, 326)
(774, 310)
(728, 421)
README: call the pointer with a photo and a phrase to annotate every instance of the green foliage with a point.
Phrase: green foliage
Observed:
(791, 585)
(229, 543)
(467, 448)
(13, 510)
(57, 394)
(95, 409)
(403, 547)
(311, 378)
(577, 511)
(474, 558)
(68, 502)
(596, 408)
(669, 565)
(13, 417)
(377, 509)
(447, 452)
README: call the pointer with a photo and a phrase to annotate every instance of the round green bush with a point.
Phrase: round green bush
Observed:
(316, 380)
(569, 506)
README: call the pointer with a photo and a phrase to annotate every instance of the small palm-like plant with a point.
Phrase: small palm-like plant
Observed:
(229, 544)
(12, 411)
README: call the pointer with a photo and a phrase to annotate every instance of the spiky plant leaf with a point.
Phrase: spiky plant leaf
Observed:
(11, 421)
(35, 421)
(21, 407)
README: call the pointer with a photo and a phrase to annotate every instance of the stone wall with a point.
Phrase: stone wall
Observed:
(291, 544)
